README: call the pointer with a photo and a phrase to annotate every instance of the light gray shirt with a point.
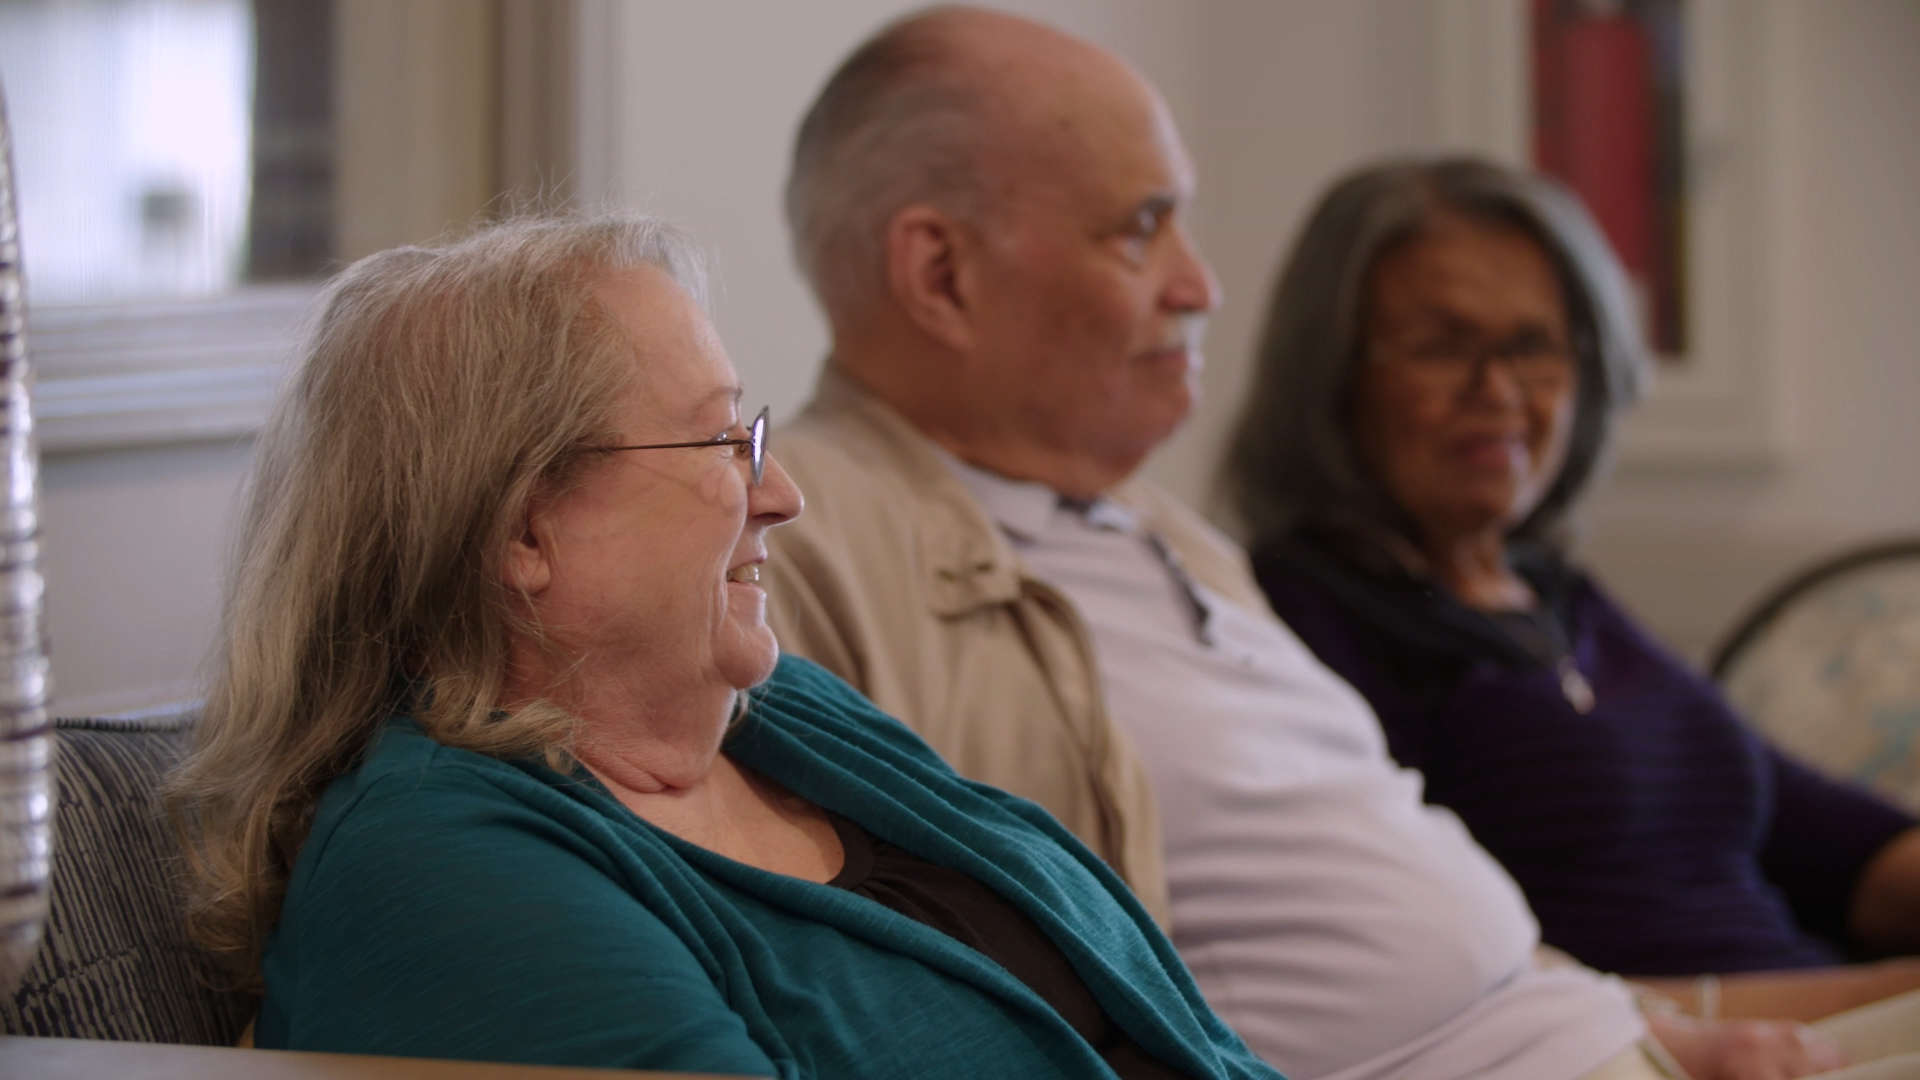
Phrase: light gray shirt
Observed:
(1342, 926)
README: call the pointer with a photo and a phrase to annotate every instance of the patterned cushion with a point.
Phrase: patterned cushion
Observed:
(1831, 672)
(116, 962)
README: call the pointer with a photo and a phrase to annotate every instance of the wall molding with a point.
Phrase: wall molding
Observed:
(113, 376)
(156, 698)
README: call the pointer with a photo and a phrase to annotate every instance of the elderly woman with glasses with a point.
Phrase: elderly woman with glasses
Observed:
(480, 775)
(1443, 357)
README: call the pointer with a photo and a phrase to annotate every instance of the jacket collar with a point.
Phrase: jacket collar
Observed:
(967, 562)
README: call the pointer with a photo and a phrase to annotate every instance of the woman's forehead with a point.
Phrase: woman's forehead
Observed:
(1469, 269)
(649, 305)
(681, 367)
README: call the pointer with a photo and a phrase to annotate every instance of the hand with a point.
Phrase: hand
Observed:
(1885, 914)
(1803, 994)
(1745, 1049)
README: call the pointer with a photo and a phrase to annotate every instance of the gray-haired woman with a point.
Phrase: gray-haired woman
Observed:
(475, 779)
(1444, 355)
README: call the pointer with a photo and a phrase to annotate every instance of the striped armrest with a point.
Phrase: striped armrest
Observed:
(116, 962)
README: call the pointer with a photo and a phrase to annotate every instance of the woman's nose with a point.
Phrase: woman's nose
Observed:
(776, 499)
(1493, 379)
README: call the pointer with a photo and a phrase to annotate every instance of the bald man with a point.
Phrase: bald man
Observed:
(991, 214)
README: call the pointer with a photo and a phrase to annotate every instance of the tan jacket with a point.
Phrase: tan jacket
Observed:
(896, 580)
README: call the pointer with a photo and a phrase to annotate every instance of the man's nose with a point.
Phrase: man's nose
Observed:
(1191, 286)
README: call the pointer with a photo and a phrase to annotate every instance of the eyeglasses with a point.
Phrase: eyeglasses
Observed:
(755, 444)
(1449, 365)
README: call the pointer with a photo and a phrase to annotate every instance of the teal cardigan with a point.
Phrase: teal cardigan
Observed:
(451, 905)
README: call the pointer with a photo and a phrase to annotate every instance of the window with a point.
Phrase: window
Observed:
(132, 144)
(188, 171)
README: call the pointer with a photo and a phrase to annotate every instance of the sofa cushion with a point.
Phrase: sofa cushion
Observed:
(115, 962)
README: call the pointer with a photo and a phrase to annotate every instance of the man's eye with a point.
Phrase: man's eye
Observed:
(1146, 224)
(1137, 236)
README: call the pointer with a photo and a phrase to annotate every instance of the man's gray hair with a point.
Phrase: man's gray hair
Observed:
(1293, 458)
(896, 124)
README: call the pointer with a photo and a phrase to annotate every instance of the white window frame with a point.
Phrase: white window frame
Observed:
(118, 375)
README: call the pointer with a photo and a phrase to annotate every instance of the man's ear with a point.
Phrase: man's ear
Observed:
(928, 255)
(528, 566)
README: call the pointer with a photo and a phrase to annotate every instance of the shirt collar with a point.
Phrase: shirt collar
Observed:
(1026, 509)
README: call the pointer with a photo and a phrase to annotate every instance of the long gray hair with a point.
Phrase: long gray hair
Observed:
(1293, 458)
(439, 388)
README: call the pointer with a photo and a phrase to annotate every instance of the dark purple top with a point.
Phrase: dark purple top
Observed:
(1655, 835)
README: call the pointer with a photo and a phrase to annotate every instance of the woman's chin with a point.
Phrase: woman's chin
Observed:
(750, 663)
(1485, 503)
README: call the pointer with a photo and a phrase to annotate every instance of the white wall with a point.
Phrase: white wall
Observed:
(133, 546)
(1292, 92)
(1276, 98)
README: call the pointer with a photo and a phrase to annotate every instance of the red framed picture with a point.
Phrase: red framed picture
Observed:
(1608, 120)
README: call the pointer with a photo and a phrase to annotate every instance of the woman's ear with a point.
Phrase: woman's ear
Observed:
(528, 566)
(927, 253)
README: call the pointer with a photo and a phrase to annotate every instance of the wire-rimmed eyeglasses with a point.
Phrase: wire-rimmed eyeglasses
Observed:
(755, 444)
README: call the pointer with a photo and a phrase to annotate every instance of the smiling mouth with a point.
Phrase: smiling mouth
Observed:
(1181, 341)
(748, 574)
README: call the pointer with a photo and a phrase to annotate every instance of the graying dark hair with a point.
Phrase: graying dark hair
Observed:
(898, 123)
(1293, 458)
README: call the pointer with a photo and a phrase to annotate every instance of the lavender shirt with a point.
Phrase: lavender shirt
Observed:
(1341, 926)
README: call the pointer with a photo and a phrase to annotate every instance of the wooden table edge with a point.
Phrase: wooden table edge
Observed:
(24, 1057)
